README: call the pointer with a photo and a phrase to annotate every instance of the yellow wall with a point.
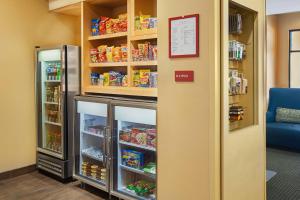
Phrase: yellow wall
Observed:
(24, 24)
(188, 113)
(271, 52)
(243, 151)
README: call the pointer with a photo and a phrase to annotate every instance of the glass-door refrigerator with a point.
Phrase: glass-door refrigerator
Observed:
(92, 141)
(134, 157)
(57, 82)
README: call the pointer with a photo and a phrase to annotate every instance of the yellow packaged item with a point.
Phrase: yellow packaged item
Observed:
(109, 54)
(106, 79)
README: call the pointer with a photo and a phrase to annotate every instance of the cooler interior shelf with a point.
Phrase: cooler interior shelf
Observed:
(137, 146)
(138, 171)
(93, 134)
(53, 123)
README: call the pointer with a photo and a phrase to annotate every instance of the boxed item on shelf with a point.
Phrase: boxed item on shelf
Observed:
(104, 53)
(238, 84)
(142, 188)
(133, 159)
(144, 52)
(105, 25)
(144, 78)
(140, 136)
(111, 78)
(144, 22)
(236, 50)
(236, 113)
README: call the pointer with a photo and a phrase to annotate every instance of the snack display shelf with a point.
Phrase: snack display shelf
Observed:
(109, 64)
(108, 36)
(93, 134)
(53, 123)
(51, 103)
(144, 37)
(138, 171)
(137, 145)
(138, 91)
(144, 63)
(92, 156)
(126, 191)
(145, 32)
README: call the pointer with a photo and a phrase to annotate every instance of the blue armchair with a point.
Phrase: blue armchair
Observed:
(283, 135)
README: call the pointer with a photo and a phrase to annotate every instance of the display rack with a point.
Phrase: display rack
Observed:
(132, 37)
(242, 66)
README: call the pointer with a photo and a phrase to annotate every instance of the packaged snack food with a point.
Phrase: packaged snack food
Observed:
(109, 54)
(124, 53)
(101, 80)
(153, 80)
(106, 79)
(122, 23)
(94, 55)
(102, 53)
(144, 77)
(150, 168)
(133, 159)
(153, 22)
(113, 78)
(117, 54)
(136, 78)
(137, 23)
(109, 23)
(146, 51)
(151, 137)
(125, 135)
(150, 53)
(119, 79)
(154, 52)
(95, 26)
(142, 188)
(134, 132)
(141, 137)
(141, 52)
(125, 81)
(102, 26)
(115, 25)
(135, 54)
(145, 24)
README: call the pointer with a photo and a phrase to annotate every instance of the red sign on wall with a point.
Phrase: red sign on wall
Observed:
(184, 76)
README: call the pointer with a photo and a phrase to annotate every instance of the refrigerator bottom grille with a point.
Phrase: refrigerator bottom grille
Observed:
(50, 167)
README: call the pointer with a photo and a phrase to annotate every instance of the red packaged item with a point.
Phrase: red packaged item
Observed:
(102, 53)
(125, 135)
(102, 26)
(134, 133)
(151, 137)
(93, 55)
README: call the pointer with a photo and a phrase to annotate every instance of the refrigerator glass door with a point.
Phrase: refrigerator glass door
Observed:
(90, 143)
(134, 152)
(50, 102)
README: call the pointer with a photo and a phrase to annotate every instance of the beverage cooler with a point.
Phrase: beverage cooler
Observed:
(57, 82)
(115, 146)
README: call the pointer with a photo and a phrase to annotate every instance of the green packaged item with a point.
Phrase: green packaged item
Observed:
(150, 168)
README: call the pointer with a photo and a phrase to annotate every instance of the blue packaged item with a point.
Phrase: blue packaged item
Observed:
(133, 159)
(95, 27)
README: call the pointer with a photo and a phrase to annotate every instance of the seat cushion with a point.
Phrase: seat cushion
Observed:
(283, 135)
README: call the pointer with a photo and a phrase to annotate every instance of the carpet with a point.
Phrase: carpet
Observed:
(286, 184)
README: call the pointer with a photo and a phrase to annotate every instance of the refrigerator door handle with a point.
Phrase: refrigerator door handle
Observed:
(104, 146)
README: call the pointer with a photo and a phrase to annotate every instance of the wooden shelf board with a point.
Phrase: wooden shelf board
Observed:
(144, 63)
(107, 3)
(145, 32)
(108, 36)
(144, 37)
(148, 92)
(72, 9)
(109, 64)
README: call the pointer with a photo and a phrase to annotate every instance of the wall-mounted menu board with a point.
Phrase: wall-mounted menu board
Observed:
(242, 66)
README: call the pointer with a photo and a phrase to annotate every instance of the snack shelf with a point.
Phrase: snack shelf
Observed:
(92, 156)
(144, 37)
(138, 146)
(51, 103)
(144, 63)
(53, 123)
(138, 171)
(93, 134)
(108, 36)
(145, 32)
(126, 191)
(150, 92)
(109, 64)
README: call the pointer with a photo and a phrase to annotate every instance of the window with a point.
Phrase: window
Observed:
(294, 59)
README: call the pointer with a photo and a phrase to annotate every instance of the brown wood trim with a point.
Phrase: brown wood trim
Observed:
(17, 172)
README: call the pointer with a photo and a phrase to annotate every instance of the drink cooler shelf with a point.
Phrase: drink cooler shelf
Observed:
(53, 123)
(138, 146)
(138, 171)
(93, 134)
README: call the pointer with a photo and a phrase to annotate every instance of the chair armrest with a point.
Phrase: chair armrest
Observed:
(270, 117)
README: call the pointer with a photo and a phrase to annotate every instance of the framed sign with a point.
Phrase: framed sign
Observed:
(184, 36)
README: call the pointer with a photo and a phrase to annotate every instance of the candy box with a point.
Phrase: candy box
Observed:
(144, 77)
(133, 159)
(95, 26)
(125, 135)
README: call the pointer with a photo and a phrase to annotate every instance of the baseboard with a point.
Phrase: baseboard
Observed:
(17, 172)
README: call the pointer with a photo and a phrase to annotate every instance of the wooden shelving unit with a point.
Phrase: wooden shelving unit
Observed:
(96, 8)
(245, 66)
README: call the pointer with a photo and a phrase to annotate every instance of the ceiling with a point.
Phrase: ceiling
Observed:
(282, 6)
